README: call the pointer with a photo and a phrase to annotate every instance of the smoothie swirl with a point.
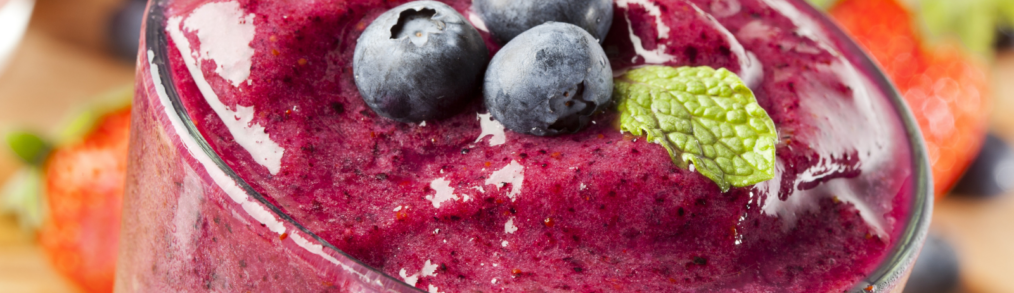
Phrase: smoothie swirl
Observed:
(461, 205)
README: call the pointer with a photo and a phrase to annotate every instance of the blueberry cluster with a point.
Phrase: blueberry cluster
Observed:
(423, 60)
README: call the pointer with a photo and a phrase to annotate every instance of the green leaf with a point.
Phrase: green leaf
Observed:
(85, 119)
(972, 22)
(822, 4)
(702, 116)
(28, 146)
(22, 196)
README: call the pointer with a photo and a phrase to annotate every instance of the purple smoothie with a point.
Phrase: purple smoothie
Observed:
(459, 205)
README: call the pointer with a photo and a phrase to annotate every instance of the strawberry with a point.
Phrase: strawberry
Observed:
(946, 89)
(72, 193)
(84, 187)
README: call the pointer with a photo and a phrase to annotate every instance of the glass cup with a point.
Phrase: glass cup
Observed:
(189, 222)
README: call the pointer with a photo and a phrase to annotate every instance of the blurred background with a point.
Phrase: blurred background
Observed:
(66, 76)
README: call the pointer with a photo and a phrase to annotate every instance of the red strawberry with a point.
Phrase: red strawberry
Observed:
(84, 184)
(946, 90)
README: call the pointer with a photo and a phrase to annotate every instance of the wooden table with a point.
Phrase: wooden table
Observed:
(61, 63)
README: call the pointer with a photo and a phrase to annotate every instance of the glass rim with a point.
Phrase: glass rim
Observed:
(902, 256)
(892, 269)
(156, 40)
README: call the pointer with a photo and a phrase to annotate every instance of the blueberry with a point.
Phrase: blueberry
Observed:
(937, 269)
(125, 29)
(992, 171)
(508, 18)
(549, 80)
(419, 61)
(1004, 39)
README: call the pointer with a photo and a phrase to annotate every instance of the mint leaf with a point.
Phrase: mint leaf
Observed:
(27, 146)
(702, 116)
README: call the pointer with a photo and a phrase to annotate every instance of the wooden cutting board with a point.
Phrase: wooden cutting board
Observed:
(23, 267)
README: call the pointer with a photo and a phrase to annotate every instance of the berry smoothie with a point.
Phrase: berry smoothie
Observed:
(265, 89)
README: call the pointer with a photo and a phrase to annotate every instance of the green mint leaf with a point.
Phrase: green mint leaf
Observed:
(27, 146)
(702, 116)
